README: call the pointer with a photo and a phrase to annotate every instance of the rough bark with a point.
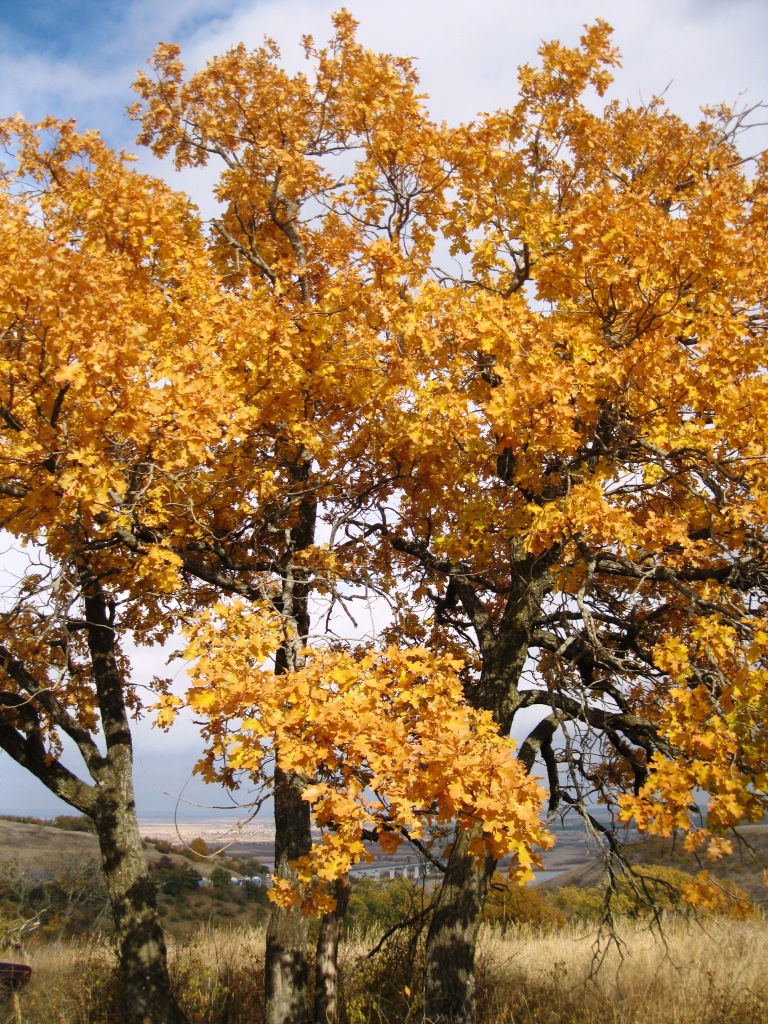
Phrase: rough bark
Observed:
(109, 800)
(286, 965)
(449, 984)
(146, 990)
(327, 957)
(145, 986)
(452, 937)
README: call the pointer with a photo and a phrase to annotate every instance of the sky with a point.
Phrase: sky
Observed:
(78, 58)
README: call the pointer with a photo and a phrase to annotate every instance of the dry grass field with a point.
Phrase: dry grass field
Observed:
(705, 971)
(698, 973)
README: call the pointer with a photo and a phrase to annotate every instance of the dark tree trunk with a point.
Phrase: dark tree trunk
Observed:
(449, 984)
(286, 966)
(146, 988)
(449, 996)
(327, 958)
(108, 800)
(145, 985)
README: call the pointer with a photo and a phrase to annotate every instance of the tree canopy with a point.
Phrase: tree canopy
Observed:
(505, 380)
(559, 471)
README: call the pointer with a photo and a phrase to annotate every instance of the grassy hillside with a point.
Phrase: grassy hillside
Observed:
(746, 866)
(533, 968)
(43, 848)
(51, 884)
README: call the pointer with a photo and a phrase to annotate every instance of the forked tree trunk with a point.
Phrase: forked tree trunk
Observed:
(145, 985)
(449, 995)
(327, 957)
(449, 984)
(286, 965)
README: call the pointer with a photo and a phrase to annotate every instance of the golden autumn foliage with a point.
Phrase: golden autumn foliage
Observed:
(563, 444)
(385, 744)
(547, 463)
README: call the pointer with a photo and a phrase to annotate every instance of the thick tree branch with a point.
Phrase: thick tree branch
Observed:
(32, 755)
(44, 696)
(473, 606)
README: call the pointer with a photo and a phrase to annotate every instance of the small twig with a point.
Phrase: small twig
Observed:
(388, 934)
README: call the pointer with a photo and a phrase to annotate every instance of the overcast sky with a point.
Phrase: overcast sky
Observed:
(78, 58)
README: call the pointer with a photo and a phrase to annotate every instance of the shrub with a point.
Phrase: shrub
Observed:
(379, 905)
(173, 879)
(71, 901)
(255, 893)
(387, 986)
(164, 845)
(221, 878)
(249, 866)
(511, 904)
(198, 849)
(648, 890)
(74, 823)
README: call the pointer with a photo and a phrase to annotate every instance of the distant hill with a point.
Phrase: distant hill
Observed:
(41, 848)
(746, 866)
(44, 849)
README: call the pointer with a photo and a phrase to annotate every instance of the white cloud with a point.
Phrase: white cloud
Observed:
(467, 53)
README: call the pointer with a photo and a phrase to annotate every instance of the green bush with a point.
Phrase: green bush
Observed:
(173, 879)
(221, 878)
(249, 866)
(74, 823)
(381, 904)
(254, 893)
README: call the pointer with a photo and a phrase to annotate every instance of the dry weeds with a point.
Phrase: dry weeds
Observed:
(709, 973)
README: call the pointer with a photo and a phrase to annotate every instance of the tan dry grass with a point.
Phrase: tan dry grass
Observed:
(711, 972)
(72, 981)
(705, 974)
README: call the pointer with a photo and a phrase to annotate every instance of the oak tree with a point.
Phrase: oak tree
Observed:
(583, 465)
(547, 464)
(104, 318)
(304, 219)
(563, 473)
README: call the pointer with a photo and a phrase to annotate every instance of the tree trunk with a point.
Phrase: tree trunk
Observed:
(286, 966)
(145, 985)
(146, 988)
(327, 957)
(449, 984)
(26, 719)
